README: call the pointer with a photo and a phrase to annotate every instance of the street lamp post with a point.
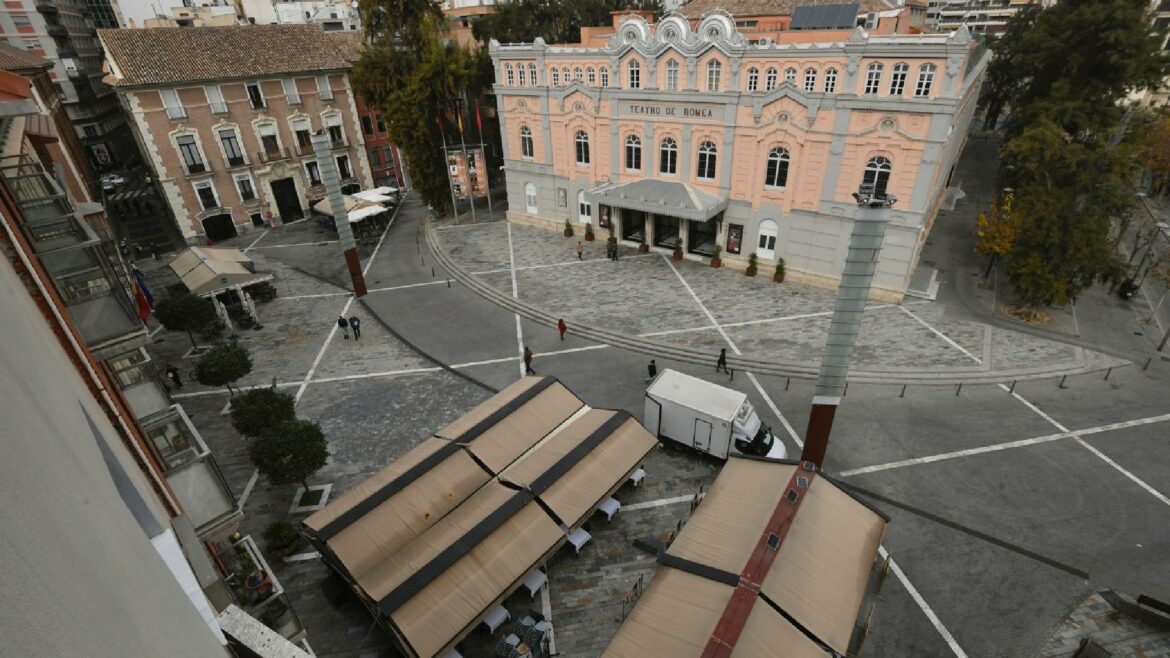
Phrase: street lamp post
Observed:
(869, 230)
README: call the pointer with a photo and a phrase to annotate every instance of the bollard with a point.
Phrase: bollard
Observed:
(958, 389)
(420, 259)
(1061, 384)
(787, 382)
(432, 271)
(448, 282)
(903, 393)
(1147, 363)
(1107, 373)
(846, 391)
(1013, 388)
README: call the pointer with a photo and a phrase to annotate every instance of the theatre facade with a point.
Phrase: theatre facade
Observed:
(690, 133)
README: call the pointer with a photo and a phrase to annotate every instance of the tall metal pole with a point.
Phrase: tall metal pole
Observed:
(323, 149)
(869, 230)
(466, 165)
(487, 181)
(450, 183)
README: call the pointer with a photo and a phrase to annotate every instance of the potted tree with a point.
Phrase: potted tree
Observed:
(678, 250)
(752, 265)
(185, 312)
(778, 275)
(260, 408)
(589, 232)
(716, 261)
(282, 538)
(223, 365)
(289, 453)
(642, 246)
(568, 229)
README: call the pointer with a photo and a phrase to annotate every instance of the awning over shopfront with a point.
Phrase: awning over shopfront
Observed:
(450, 528)
(659, 197)
(210, 270)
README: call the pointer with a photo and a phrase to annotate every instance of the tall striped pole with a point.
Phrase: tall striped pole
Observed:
(323, 149)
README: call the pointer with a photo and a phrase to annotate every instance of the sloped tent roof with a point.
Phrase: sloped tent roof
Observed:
(819, 576)
(209, 270)
(356, 207)
(443, 533)
(659, 197)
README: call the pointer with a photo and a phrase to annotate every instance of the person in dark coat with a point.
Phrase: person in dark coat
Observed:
(356, 324)
(562, 327)
(343, 324)
(651, 370)
(528, 361)
(722, 362)
(173, 373)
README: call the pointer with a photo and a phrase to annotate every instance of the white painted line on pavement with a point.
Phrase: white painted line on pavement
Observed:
(249, 487)
(560, 264)
(1136, 480)
(573, 350)
(303, 557)
(407, 285)
(324, 294)
(934, 620)
(321, 352)
(776, 410)
(218, 391)
(261, 237)
(661, 502)
(298, 244)
(515, 295)
(387, 373)
(946, 338)
(953, 455)
(155, 331)
(486, 362)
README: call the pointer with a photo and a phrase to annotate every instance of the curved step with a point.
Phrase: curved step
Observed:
(952, 376)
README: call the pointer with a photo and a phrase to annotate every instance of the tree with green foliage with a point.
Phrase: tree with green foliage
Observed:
(223, 365)
(290, 452)
(555, 21)
(260, 408)
(185, 312)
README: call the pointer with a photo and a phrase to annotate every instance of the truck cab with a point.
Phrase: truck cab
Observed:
(752, 437)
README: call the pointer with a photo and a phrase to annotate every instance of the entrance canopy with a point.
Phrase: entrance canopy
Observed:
(771, 543)
(210, 270)
(659, 197)
(452, 527)
(357, 208)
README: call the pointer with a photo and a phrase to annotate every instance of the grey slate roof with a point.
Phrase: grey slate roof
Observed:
(825, 17)
(170, 55)
(659, 197)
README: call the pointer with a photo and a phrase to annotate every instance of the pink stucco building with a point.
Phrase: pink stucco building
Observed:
(689, 130)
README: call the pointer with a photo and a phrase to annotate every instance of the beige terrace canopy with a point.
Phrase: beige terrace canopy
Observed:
(809, 547)
(356, 208)
(451, 528)
(210, 270)
(660, 198)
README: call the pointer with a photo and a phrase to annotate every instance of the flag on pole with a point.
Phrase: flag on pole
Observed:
(478, 120)
(143, 300)
(459, 114)
(141, 281)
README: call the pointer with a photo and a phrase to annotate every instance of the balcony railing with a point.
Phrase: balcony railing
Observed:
(196, 167)
(237, 161)
(272, 155)
(258, 592)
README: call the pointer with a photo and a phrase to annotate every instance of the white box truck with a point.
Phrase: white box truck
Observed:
(707, 417)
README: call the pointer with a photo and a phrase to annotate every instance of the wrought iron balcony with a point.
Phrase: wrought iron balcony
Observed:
(272, 155)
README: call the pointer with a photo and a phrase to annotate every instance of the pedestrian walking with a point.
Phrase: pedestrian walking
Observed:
(343, 324)
(613, 248)
(528, 361)
(154, 251)
(722, 362)
(580, 249)
(651, 370)
(609, 251)
(355, 323)
(562, 327)
(173, 373)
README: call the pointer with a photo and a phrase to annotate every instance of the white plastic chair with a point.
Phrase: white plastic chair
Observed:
(534, 581)
(609, 507)
(496, 618)
(637, 476)
(579, 538)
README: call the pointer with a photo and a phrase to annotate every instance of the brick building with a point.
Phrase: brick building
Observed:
(224, 116)
(692, 132)
(385, 158)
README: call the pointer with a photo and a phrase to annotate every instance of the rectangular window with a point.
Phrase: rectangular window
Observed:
(173, 105)
(925, 80)
(255, 95)
(367, 125)
(304, 135)
(323, 88)
(231, 147)
(343, 171)
(388, 156)
(314, 173)
(830, 81)
(873, 79)
(244, 187)
(20, 20)
(206, 192)
(671, 76)
(192, 159)
(291, 95)
(635, 76)
(90, 131)
(381, 125)
(32, 44)
(268, 139)
(898, 79)
(215, 99)
(375, 159)
(333, 123)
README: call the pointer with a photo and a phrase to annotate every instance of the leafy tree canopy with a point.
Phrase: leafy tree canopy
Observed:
(259, 409)
(223, 365)
(185, 312)
(290, 452)
(556, 21)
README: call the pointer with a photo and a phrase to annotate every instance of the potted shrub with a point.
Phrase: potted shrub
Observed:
(678, 250)
(752, 265)
(642, 246)
(716, 261)
(778, 275)
(589, 232)
(568, 229)
(281, 538)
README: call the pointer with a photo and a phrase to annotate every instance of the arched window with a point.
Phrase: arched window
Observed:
(526, 149)
(635, 75)
(633, 153)
(925, 80)
(509, 75)
(582, 141)
(577, 75)
(530, 198)
(706, 168)
(770, 80)
(877, 173)
(753, 79)
(672, 75)
(873, 78)
(830, 80)
(668, 157)
(556, 76)
(898, 78)
(766, 243)
(605, 76)
(714, 73)
(591, 76)
(810, 79)
(777, 173)
(790, 75)
(584, 208)
(532, 74)
(565, 75)
(520, 73)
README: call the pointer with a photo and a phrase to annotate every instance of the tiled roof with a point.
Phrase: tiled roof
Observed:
(14, 59)
(741, 8)
(167, 55)
(350, 43)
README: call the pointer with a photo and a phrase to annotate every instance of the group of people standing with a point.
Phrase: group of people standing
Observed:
(611, 249)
